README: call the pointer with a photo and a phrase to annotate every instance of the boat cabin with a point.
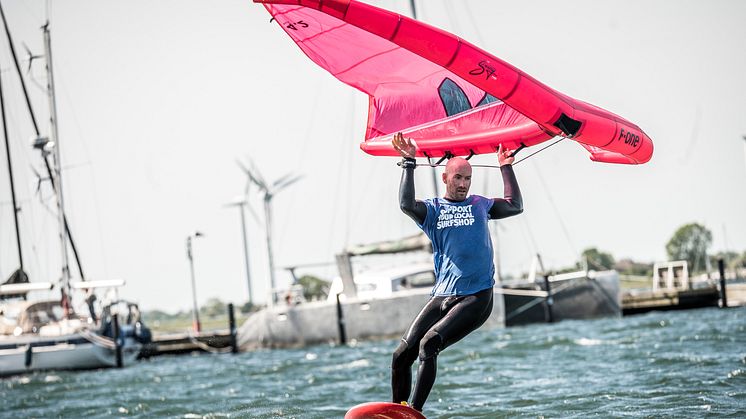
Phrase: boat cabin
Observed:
(384, 283)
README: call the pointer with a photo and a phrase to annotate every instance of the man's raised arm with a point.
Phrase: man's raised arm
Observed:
(512, 204)
(415, 209)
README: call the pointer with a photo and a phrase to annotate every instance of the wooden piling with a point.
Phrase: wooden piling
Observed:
(341, 323)
(117, 342)
(29, 355)
(723, 293)
(548, 313)
(232, 328)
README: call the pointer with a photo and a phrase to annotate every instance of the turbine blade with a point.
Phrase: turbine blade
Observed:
(251, 173)
(259, 179)
(287, 182)
(242, 166)
(281, 180)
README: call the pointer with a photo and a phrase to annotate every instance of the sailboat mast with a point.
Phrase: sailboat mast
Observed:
(16, 208)
(57, 169)
(32, 115)
(434, 172)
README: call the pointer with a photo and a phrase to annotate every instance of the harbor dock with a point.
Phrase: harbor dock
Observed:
(642, 301)
(672, 289)
(220, 341)
(176, 343)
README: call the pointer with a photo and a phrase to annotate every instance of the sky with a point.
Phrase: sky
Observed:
(158, 100)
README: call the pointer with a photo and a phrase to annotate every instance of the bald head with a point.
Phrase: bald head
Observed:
(457, 178)
(456, 164)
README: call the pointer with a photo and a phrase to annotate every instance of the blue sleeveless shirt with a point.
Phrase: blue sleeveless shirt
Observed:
(462, 248)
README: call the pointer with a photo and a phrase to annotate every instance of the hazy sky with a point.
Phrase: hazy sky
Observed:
(158, 99)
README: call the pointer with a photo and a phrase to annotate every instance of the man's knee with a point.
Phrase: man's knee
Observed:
(431, 345)
(404, 355)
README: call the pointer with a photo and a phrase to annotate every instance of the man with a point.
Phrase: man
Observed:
(461, 300)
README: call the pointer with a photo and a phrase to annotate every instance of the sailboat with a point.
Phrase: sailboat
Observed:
(50, 334)
(36, 335)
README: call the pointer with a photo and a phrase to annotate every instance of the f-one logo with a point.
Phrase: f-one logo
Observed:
(630, 138)
(484, 67)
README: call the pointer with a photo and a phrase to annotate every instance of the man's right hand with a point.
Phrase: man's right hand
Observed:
(404, 146)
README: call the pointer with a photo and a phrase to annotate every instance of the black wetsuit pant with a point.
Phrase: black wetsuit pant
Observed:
(442, 322)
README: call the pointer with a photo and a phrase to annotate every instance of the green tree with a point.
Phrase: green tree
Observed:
(248, 307)
(690, 242)
(214, 307)
(598, 260)
(737, 261)
(313, 288)
(633, 268)
(157, 315)
(730, 259)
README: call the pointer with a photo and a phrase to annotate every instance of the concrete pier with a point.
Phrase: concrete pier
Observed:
(643, 301)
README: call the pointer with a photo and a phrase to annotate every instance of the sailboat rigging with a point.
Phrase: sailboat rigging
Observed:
(69, 340)
(44, 144)
(19, 276)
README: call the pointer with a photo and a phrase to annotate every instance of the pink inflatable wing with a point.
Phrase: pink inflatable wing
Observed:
(451, 97)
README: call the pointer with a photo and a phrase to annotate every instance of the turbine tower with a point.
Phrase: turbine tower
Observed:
(269, 191)
(242, 203)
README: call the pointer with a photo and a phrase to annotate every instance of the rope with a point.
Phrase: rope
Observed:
(525, 307)
(97, 339)
(561, 288)
(491, 166)
(606, 295)
(522, 293)
(539, 297)
(207, 348)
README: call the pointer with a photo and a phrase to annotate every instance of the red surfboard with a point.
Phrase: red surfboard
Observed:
(380, 410)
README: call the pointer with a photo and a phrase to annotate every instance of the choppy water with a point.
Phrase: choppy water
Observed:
(674, 364)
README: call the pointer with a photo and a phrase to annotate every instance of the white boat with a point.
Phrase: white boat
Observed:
(382, 303)
(49, 334)
(36, 335)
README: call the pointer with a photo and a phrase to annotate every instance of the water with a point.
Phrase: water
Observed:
(675, 364)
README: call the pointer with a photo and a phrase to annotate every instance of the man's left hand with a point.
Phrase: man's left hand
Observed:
(504, 156)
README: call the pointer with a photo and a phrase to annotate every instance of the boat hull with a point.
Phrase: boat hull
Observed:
(318, 322)
(572, 298)
(77, 351)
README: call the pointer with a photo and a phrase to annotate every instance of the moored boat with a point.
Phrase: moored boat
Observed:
(37, 335)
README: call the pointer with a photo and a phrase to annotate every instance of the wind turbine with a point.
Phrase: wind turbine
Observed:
(242, 202)
(269, 191)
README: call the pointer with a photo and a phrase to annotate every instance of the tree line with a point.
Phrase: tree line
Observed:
(690, 242)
